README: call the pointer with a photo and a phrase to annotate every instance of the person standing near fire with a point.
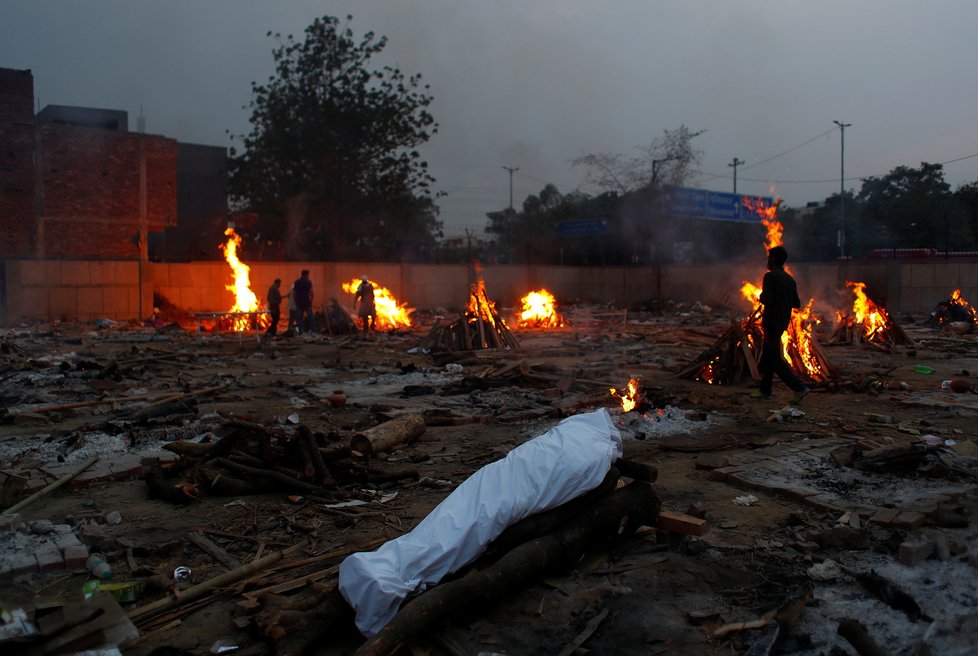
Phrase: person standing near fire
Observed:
(368, 309)
(274, 306)
(779, 296)
(302, 294)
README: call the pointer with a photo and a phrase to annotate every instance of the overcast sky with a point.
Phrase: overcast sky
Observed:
(534, 83)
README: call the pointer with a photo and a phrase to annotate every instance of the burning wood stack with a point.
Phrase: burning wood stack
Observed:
(955, 312)
(869, 323)
(738, 350)
(539, 310)
(479, 327)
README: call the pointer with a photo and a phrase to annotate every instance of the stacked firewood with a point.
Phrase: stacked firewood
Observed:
(887, 333)
(479, 327)
(251, 458)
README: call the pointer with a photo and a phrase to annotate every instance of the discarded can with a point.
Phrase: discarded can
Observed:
(181, 574)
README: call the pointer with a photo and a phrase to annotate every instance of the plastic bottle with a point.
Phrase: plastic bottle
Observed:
(98, 567)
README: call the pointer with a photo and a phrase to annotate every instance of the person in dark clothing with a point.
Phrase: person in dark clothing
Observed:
(302, 293)
(779, 296)
(368, 310)
(274, 306)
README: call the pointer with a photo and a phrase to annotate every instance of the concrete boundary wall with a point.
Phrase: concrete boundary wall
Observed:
(85, 291)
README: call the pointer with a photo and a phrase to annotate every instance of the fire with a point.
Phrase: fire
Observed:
(539, 311)
(956, 299)
(245, 300)
(873, 320)
(629, 397)
(390, 313)
(479, 303)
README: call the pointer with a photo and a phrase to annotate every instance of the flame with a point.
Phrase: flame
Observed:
(629, 398)
(956, 299)
(390, 313)
(245, 300)
(479, 303)
(799, 340)
(873, 320)
(539, 311)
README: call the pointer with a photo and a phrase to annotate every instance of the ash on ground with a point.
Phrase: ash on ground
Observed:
(662, 422)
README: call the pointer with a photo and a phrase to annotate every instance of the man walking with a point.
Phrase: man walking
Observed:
(779, 296)
(368, 309)
(302, 293)
(274, 306)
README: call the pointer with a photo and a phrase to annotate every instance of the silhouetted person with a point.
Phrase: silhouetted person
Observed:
(302, 294)
(368, 310)
(274, 306)
(779, 296)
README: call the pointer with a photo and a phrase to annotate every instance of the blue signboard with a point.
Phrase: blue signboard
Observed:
(713, 205)
(583, 228)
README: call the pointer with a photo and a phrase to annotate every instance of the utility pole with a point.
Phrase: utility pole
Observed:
(735, 163)
(512, 170)
(842, 189)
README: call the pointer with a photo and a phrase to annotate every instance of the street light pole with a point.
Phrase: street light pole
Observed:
(842, 188)
(735, 163)
(511, 169)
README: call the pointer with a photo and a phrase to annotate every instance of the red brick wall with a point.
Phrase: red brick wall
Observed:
(90, 192)
(16, 162)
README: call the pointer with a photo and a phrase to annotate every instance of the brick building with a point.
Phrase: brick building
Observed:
(75, 184)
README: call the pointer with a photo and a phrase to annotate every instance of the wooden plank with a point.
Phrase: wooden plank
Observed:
(674, 522)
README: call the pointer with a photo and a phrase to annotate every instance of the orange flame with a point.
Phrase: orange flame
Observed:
(479, 303)
(873, 319)
(390, 313)
(956, 299)
(629, 397)
(245, 300)
(539, 311)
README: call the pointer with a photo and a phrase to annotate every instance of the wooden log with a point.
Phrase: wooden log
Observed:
(322, 472)
(51, 487)
(389, 434)
(630, 506)
(289, 482)
(209, 547)
(202, 589)
(674, 522)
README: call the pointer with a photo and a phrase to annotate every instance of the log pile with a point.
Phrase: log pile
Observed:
(737, 352)
(250, 458)
(479, 327)
(883, 334)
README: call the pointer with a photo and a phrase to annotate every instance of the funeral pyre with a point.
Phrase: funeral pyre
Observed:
(538, 309)
(391, 314)
(245, 313)
(479, 327)
(955, 311)
(738, 350)
(868, 322)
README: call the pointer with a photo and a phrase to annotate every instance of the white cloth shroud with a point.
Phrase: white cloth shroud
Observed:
(568, 460)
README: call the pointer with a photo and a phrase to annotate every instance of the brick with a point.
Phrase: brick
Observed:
(914, 551)
(909, 520)
(49, 558)
(65, 541)
(75, 556)
(127, 467)
(22, 564)
(10, 523)
(884, 516)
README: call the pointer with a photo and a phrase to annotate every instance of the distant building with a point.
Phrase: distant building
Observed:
(76, 184)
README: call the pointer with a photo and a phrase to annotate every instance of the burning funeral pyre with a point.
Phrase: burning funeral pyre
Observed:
(479, 327)
(738, 350)
(956, 312)
(245, 314)
(868, 323)
(390, 313)
(539, 310)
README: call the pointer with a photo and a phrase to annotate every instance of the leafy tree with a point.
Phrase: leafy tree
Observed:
(331, 165)
(966, 204)
(907, 208)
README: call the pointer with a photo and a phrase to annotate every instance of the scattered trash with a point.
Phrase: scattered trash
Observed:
(293, 418)
(182, 573)
(827, 570)
(453, 368)
(224, 646)
(746, 500)
(786, 413)
(98, 567)
(923, 369)
(296, 499)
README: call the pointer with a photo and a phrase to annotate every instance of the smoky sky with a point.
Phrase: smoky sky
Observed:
(535, 83)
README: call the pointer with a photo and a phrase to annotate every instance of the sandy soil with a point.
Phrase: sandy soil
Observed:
(663, 593)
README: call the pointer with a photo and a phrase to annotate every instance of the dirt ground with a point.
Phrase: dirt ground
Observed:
(652, 593)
